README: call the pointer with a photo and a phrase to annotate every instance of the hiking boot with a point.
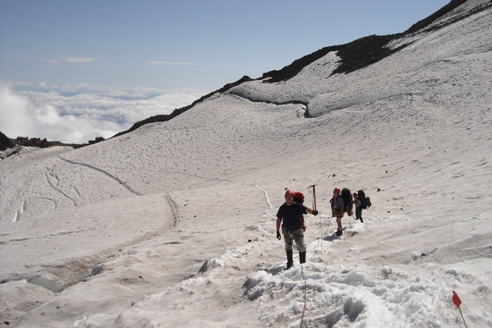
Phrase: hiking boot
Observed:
(302, 257)
(290, 261)
(339, 232)
(361, 220)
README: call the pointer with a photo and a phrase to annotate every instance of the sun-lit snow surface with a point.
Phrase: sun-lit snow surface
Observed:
(173, 225)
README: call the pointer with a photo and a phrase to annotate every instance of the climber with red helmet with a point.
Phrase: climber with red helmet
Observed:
(289, 215)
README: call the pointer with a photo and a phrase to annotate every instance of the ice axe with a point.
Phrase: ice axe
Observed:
(314, 196)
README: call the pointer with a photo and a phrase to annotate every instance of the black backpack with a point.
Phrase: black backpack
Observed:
(365, 202)
(348, 200)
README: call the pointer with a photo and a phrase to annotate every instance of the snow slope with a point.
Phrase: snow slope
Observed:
(173, 225)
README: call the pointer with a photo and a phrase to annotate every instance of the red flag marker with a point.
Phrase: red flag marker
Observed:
(456, 299)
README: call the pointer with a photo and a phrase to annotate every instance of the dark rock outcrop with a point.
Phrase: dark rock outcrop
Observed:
(5, 142)
(293, 69)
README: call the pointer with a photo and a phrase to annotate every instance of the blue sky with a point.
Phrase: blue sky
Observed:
(182, 44)
(72, 47)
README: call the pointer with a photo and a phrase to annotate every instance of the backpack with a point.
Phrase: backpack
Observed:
(365, 202)
(298, 197)
(348, 200)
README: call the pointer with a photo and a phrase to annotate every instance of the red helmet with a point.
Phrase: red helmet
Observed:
(336, 191)
(288, 191)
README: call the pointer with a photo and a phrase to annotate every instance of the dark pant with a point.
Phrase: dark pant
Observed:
(358, 213)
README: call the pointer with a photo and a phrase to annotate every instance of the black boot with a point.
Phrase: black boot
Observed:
(290, 262)
(302, 257)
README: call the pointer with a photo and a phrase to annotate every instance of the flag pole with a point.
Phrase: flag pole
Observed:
(462, 317)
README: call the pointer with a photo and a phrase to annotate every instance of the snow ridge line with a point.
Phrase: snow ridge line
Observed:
(262, 227)
(266, 195)
(335, 106)
(58, 190)
(174, 209)
(130, 189)
(69, 232)
(278, 103)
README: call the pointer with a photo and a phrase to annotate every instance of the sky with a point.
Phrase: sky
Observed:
(174, 225)
(143, 49)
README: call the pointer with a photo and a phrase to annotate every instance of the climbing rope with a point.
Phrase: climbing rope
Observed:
(305, 296)
(323, 233)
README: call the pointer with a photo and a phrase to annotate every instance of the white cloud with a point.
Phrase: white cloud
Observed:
(72, 59)
(79, 113)
(69, 59)
(14, 113)
(169, 63)
(58, 59)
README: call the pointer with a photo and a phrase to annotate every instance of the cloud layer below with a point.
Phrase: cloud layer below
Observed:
(77, 114)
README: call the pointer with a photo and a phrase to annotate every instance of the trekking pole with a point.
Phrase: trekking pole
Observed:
(314, 196)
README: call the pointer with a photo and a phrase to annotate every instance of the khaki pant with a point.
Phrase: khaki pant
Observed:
(297, 236)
